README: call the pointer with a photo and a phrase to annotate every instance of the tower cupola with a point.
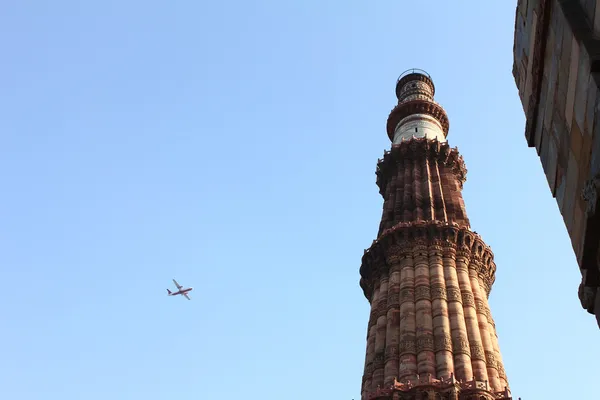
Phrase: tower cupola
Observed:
(417, 114)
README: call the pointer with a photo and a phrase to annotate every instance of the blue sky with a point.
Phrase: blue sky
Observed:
(232, 145)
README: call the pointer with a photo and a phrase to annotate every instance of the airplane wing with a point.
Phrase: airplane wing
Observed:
(177, 284)
(186, 296)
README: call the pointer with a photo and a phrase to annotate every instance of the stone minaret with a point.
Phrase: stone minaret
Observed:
(428, 275)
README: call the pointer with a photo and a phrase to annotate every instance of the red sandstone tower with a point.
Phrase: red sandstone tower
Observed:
(427, 276)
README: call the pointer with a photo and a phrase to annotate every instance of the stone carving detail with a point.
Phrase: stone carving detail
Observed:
(462, 256)
(407, 345)
(480, 305)
(461, 346)
(393, 299)
(422, 293)
(369, 370)
(453, 294)
(378, 361)
(420, 236)
(382, 307)
(467, 299)
(407, 294)
(393, 259)
(591, 188)
(501, 371)
(442, 342)
(477, 352)
(391, 352)
(424, 343)
(491, 359)
(438, 292)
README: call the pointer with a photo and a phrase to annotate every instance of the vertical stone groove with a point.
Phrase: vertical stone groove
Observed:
(406, 348)
(424, 324)
(393, 323)
(488, 347)
(460, 340)
(478, 360)
(429, 202)
(407, 201)
(378, 362)
(442, 341)
(418, 204)
(440, 204)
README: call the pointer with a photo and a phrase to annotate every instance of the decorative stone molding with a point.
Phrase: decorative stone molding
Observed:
(404, 109)
(393, 299)
(422, 293)
(407, 294)
(407, 345)
(453, 294)
(428, 388)
(590, 192)
(461, 346)
(442, 342)
(438, 292)
(425, 343)
(477, 352)
(419, 149)
(391, 353)
(491, 360)
(466, 243)
(467, 299)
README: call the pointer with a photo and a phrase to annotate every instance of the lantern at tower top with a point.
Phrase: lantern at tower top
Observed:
(412, 83)
(417, 114)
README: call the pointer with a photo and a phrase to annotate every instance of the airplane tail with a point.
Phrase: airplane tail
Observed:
(169, 292)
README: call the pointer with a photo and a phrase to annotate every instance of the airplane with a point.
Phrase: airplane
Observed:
(180, 291)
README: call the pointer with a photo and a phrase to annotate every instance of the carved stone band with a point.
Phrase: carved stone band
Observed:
(453, 293)
(442, 342)
(422, 293)
(461, 346)
(491, 359)
(407, 345)
(424, 343)
(477, 352)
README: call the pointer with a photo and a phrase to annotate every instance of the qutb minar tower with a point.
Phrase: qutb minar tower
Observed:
(427, 276)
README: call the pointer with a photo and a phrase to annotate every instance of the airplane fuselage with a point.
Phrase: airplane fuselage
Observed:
(182, 291)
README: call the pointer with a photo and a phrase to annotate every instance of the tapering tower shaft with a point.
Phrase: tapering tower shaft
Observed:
(427, 276)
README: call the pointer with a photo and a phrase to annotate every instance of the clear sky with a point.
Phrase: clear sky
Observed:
(232, 145)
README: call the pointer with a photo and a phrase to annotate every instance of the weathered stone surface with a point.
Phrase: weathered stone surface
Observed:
(556, 69)
(427, 275)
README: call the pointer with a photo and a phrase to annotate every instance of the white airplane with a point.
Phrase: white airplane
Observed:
(180, 290)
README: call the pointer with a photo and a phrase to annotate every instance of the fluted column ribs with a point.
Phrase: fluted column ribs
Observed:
(428, 179)
(429, 199)
(494, 337)
(424, 323)
(427, 276)
(478, 293)
(440, 204)
(408, 192)
(418, 197)
(393, 325)
(439, 312)
(460, 340)
(378, 362)
(371, 340)
(389, 205)
(478, 360)
(399, 174)
(406, 348)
